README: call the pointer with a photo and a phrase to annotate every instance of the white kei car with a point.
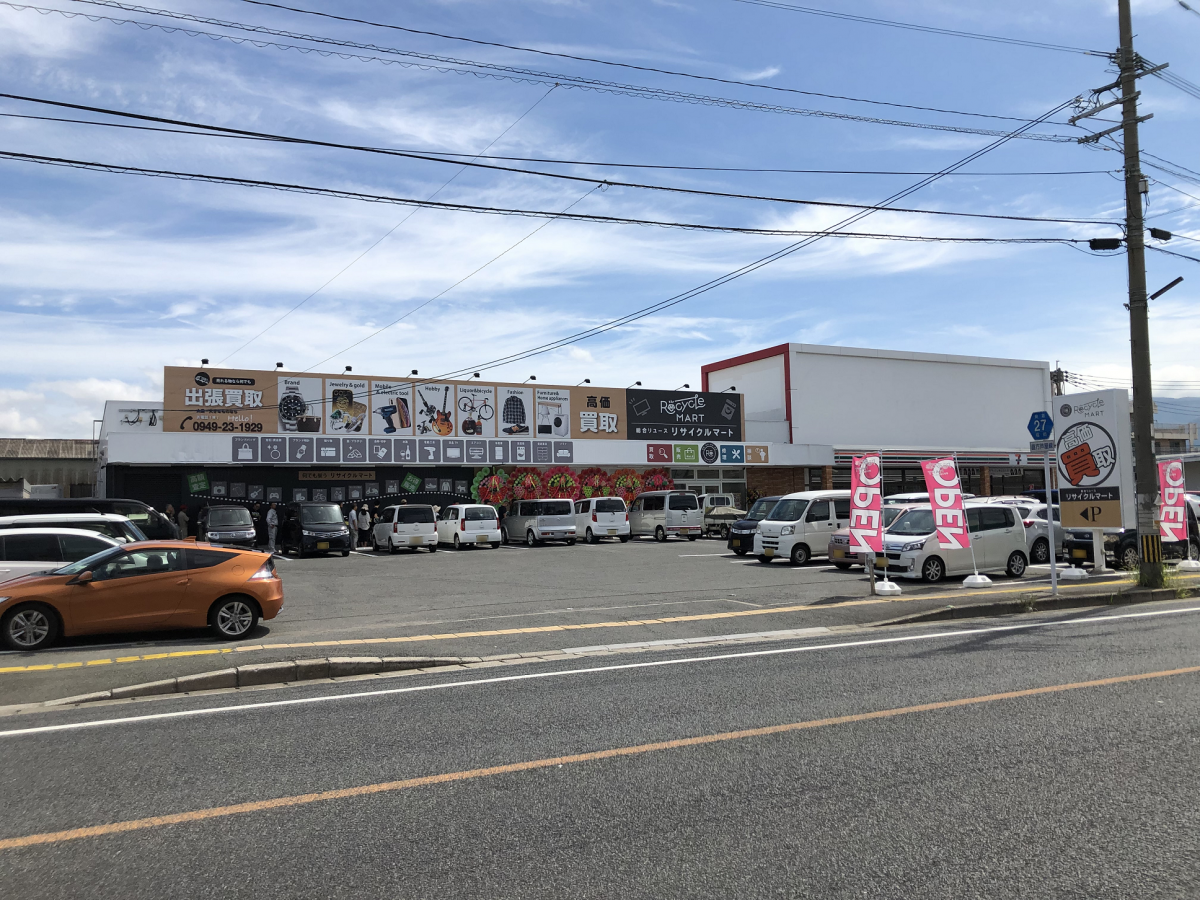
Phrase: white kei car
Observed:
(997, 538)
(468, 525)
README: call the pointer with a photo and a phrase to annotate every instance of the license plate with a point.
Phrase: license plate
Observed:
(322, 545)
(769, 552)
(414, 540)
(612, 531)
(1079, 554)
(839, 554)
(736, 542)
(481, 538)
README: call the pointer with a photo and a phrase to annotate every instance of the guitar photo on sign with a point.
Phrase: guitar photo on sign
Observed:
(436, 415)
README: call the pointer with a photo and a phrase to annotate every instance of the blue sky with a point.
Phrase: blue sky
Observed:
(105, 278)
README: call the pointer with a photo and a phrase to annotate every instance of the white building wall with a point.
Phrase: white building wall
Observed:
(762, 385)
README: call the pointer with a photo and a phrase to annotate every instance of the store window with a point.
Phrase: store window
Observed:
(685, 474)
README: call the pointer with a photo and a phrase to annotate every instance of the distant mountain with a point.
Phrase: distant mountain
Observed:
(1177, 410)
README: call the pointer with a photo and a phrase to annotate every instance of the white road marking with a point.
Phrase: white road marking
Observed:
(715, 555)
(591, 670)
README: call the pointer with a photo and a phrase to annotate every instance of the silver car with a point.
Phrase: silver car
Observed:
(537, 521)
(1037, 529)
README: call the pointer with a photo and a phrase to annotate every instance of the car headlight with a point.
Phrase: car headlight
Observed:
(913, 545)
(310, 534)
(787, 529)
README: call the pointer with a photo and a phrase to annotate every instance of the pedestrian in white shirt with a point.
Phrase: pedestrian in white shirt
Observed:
(364, 526)
(272, 527)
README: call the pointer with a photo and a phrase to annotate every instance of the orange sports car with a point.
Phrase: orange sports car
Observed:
(143, 586)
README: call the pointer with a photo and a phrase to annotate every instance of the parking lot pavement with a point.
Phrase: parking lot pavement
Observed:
(481, 602)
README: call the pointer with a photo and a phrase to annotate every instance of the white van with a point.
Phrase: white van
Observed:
(800, 525)
(997, 539)
(405, 526)
(661, 514)
(26, 551)
(119, 528)
(536, 521)
(599, 517)
(468, 525)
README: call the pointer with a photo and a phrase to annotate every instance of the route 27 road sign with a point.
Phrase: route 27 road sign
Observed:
(1040, 426)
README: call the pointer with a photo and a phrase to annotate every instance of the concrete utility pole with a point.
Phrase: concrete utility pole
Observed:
(1146, 473)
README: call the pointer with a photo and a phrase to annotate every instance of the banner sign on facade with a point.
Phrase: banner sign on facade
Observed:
(945, 496)
(866, 505)
(1095, 460)
(1172, 517)
(681, 415)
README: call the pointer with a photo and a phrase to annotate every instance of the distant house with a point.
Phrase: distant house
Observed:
(51, 467)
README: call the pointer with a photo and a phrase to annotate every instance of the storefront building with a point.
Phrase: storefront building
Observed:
(251, 436)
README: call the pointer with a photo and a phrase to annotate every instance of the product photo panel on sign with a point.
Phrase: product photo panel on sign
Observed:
(346, 406)
(516, 411)
(476, 405)
(553, 413)
(435, 413)
(391, 407)
(236, 401)
(301, 401)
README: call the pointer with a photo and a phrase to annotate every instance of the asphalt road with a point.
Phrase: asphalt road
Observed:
(454, 603)
(879, 767)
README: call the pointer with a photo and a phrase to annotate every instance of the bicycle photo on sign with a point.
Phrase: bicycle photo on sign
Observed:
(477, 410)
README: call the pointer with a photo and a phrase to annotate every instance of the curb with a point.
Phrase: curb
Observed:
(269, 673)
(1040, 604)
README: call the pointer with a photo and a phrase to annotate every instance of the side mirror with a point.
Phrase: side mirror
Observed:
(82, 578)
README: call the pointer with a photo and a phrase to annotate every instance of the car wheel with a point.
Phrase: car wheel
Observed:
(392, 548)
(1129, 558)
(455, 542)
(530, 538)
(1193, 551)
(345, 553)
(660, 534)
(724, 532)
(933, 570)
(800, 555)
(1040, 552)
(624, 538)
(433, 548)
(570, 542)
(691, 537)
(233, 618)
(590, 537)
(841, 566)
(1016, 564)
(30, 626)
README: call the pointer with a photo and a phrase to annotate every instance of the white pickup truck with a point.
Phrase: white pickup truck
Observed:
(719, 514)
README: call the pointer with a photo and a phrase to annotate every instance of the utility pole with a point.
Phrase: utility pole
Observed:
(1150, 572)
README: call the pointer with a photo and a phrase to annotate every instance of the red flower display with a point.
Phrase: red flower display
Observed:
(657, 480)
(525, 484)
(494, 488)
(561, 483)
(626, 484)
(595, 482)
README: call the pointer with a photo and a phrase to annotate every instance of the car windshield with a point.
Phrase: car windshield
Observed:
(611, 505)
(915, 521)
(788, 510)
(890, 514)
(759, 510)
(321, 515)
(556, 508)
(481, 513)
(88, 562)
(223, 518)
(682, 501)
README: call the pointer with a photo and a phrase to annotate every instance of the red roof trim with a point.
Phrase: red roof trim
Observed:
(778, 350)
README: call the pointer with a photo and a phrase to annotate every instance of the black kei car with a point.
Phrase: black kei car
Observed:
(232, 526)
(741, 532)
(314, 528)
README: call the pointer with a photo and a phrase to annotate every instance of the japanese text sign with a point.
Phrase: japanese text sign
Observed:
(1172, 517)
(945, 496)
(866, 505)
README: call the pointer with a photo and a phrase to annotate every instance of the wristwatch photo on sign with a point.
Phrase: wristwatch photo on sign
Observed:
(291, 407)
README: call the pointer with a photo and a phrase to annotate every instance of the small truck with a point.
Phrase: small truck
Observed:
(719, 514)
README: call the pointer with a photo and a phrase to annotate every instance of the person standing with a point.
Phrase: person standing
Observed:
(364, 526)
(169, 512)
(260, 524)
(352, 525)
(181, 519)
(272, 527)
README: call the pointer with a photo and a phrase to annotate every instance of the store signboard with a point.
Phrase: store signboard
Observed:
(1095, 460)
(677, 415)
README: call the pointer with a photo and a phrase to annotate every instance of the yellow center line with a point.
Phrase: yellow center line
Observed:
(217, 812)
(540, 629)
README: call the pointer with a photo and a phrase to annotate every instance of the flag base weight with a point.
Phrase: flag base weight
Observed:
(1189, 565)
(1072, 573)
(976, 581)
(887, 589)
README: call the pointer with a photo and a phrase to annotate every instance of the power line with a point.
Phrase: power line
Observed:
(746, 269)
(580, 162)
(556, 54)
(554, 175)
(1172, 253)
(389, 233)
(530, 76)
(507, 211)
(928, 29)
